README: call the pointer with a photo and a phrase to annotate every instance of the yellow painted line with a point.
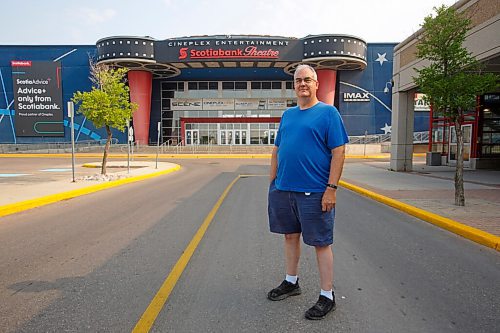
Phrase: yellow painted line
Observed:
(201, 156)
(458, 228)
(138, 156)
(149, 316)
(88, 165)
(42, 201)
(77, 155)
(368, 156)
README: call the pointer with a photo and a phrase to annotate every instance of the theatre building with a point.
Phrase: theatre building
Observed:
(203, 90)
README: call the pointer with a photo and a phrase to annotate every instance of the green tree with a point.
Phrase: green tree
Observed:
(107, 104)
(453, 79)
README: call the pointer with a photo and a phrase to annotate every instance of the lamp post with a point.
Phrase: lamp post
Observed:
(71, 114)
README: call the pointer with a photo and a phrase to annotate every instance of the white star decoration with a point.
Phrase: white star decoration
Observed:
(381, 58)
(387, 129)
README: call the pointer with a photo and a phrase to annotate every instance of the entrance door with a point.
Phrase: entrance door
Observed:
(270, 136)
(240, 137)
(226, 137)
(452, 152)
(192, 137)
(233, 137)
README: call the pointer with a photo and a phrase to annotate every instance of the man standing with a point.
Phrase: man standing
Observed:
(306, 165)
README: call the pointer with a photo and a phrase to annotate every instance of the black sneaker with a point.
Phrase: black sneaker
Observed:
(284, 290)
(322, 307)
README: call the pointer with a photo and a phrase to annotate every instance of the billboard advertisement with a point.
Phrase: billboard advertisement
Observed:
(37, 98)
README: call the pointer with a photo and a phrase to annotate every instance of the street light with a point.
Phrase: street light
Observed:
(388, 85)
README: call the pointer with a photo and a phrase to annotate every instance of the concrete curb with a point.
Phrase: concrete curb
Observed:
(42, 201)
(458, 228)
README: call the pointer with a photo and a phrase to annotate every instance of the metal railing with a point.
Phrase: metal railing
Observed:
(165, 146)
(369, 139)
(50, 147)
(421, 137)
(169, 147)
(418, 137)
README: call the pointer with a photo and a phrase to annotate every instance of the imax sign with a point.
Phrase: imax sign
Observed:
(356, 97)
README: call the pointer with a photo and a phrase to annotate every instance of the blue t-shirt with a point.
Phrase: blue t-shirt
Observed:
(305, 140)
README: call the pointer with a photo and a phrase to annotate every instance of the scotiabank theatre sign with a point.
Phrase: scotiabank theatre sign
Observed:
(238, 49)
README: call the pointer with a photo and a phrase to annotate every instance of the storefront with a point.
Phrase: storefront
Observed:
(481, 132)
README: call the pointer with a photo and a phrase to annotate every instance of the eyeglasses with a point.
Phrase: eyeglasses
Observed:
(306, 80)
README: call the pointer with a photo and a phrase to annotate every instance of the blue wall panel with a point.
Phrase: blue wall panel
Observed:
(75, 73)
(372, 116)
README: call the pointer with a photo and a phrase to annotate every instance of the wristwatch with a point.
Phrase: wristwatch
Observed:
(332, 186)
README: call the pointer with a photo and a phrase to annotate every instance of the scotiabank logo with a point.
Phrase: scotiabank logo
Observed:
(182, 53)
(20, 63)
(248, 52)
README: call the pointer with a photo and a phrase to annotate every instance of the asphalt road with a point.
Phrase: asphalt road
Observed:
(94, 263)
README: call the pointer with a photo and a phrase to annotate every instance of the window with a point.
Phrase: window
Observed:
(240, 85)
(227, 85)
(192, 85)
(276, 85)
(170, 86)
(266, 85)
(490, 145)
(213, 85)
(167, 94)
(203, 85)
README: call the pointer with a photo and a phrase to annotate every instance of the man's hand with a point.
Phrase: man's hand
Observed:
(329, 199)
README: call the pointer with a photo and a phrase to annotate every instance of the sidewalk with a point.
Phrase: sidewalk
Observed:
(430, 188)
(36, 185)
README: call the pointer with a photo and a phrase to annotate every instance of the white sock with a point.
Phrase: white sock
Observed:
(327, 293)
(291, 278)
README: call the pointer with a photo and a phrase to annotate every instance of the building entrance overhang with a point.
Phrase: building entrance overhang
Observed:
(167, 58)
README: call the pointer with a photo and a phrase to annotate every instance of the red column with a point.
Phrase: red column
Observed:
(326, 90)
(140, 83)
(183, 131)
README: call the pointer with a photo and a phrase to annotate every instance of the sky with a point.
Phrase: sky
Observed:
(83, 22)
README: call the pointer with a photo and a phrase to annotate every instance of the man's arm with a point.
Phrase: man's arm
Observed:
(336, 166)
(274, 164)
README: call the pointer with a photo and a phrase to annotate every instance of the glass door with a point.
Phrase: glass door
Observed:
(272, 136)
(240, 137)
(269, 136)
(233, 137)
(192, 137)
(226, 137)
